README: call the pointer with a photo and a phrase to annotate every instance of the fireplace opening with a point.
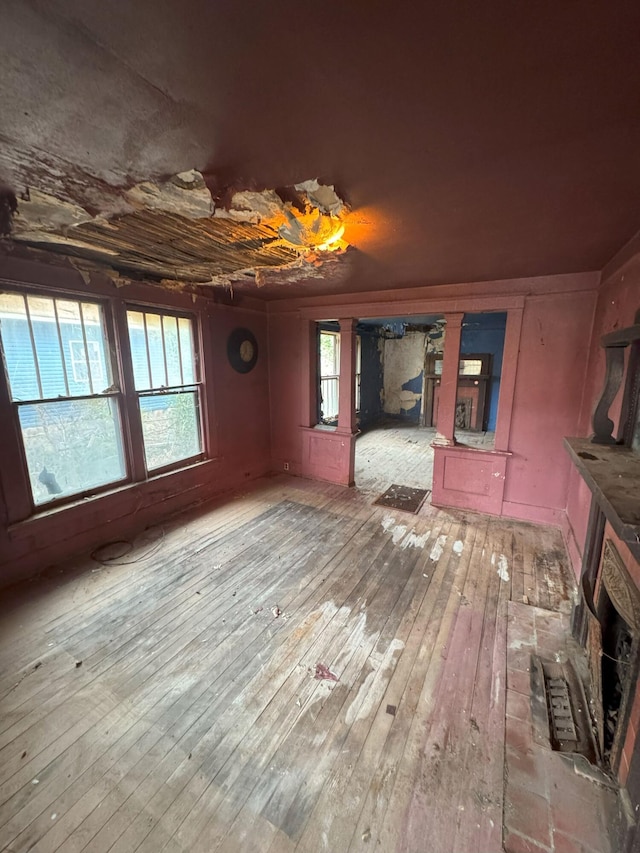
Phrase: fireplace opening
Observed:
(617, 658)
(613, 654)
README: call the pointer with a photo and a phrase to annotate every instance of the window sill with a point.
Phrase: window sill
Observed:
(24, 527)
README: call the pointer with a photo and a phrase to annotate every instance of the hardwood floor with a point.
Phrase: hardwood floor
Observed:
(167, 701)
(397, 452)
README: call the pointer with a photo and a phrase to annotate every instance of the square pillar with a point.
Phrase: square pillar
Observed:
(347, 391)
(309, 372)
(448, 393)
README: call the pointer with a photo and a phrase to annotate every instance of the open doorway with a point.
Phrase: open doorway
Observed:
(400, 367)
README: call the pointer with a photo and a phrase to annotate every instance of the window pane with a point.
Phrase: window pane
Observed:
(187, 351)
(156, 350)
(16, 344)
(73, 346)
(328, 354)
(329, 391)
(172, 350)
(138, 345)
(171, 428)
(72, 446)
(99, 362)
(45, 337)
(467, 367)
(470, 367)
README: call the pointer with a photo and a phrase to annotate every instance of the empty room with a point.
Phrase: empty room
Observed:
(319, 427)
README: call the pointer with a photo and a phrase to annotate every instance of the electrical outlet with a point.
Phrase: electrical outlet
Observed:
(286, 466)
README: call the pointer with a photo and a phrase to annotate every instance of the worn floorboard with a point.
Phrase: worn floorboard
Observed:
(167, 701)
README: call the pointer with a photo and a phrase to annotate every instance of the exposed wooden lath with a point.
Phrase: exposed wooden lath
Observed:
(168, 246)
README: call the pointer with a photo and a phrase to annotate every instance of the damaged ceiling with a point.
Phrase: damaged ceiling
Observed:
(173, 233)
(471, 141)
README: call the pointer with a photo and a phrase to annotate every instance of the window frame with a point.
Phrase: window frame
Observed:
(358, 374)
(112, 392)
(324, 419)
(14, 472)
(197, 384)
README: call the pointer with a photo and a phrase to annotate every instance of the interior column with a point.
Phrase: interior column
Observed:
(347, 392)
(448, 392)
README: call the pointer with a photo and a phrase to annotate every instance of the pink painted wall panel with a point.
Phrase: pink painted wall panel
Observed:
(618, 301)
(241, 400)
(285, 391)
(470, 479)
(465, 474)
(554, 348)
(327, 455)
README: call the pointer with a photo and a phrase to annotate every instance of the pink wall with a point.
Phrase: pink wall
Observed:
(618, 301)
(322, 454)
(238, 406)
(551, 367)
(260, 420)
(554, 347)
(286, 345)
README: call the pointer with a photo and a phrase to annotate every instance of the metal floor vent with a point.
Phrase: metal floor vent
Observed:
(562, 726)
(559, 707)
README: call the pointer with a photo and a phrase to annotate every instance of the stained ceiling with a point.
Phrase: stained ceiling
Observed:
(469, 142)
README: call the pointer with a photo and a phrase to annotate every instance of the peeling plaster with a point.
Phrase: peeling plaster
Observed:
(40, 211)
(309, 221)
(323, 197)
(436, 335)
(403, 363)
(186, 194)
(170, 231)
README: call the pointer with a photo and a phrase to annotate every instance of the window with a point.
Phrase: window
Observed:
(166, 381)
(467, 366)
(60, 379)
(329, 375)
(80, 350)
(83, 430)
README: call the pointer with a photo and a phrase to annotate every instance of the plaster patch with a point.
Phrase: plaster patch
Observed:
(438, 548)
(398, 533)
(388, 522)
(503, 568)
(458, 546)
(415, 541)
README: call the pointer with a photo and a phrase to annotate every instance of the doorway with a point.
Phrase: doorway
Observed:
(400, 367)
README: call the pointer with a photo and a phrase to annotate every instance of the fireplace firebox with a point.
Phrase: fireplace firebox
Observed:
(613, 645)
(607, 618)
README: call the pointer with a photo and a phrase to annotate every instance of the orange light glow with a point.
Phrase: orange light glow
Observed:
(330, 244)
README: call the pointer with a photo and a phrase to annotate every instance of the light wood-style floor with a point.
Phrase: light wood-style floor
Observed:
(401, 453)
(167, 702)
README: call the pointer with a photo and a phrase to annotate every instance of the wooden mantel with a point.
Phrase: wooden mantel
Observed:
(612, 473)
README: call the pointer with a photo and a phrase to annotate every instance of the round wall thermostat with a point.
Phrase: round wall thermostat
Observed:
(242, 350)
